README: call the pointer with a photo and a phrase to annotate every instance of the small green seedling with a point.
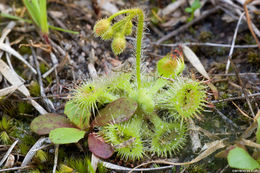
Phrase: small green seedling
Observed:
(194, 6)
(133, 114)
(38, 12)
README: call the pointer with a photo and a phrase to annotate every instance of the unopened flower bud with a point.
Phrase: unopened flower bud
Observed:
(108, 34)
(118, 44)
(170, 66)
(129, 26)
(101, 27)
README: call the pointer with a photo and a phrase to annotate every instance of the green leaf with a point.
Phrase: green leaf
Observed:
(240, 159)
(258, 131)
(117, 111)
(188, 10)
(43, 124)
(78, 115)
(66, 135)
(195, 5)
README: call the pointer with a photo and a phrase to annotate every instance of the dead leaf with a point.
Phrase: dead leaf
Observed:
(15, 81)
(10, 50)
(194, 60)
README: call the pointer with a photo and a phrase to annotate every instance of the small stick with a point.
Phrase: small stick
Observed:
(14, 168)
(249, 23)
(48, 103)
(225, 118)
(55, 158)
(207, 44)
(243, 89)
(233, 42)
(182, 28)
(235, 98)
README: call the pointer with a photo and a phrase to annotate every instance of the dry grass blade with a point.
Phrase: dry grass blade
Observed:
(248, 132)
(10, 50)
(242, 112)
(194, 136)
(94, 162)
(55, 158)
(194, 60)
(33, 150)
(15, 81)
(233, 43)
(7, 30)
(8, 152)
(12, 78)
(249, 23)
(211, 148)
(8, 90)
(250, 143)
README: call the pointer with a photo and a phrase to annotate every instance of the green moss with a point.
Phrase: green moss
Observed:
(205, 36)
(201, 168)
(253, 56)
(24, 108)
(5, 130)
(43, 68)
(80, 165)
(34, 89)
(24, 49)
(41, 155)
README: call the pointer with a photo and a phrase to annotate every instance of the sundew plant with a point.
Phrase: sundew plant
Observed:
(132, 114)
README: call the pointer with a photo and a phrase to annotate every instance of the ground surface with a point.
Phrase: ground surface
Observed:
(79, 56)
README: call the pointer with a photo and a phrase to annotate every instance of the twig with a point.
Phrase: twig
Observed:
(8, 152)
(48, 103)
(182, 28)
(249, 23)
(235, 98)
(243, 89)
(55, 65)
(207, 44)
(55, 158)
(14, 168)
(225, 118)
(233, 42)
(233, 74)
(10, 50)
